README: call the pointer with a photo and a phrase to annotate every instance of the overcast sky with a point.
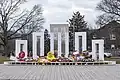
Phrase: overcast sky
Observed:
(59, 11)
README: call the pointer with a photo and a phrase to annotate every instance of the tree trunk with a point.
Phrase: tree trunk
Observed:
(5, 50)
(6, 46)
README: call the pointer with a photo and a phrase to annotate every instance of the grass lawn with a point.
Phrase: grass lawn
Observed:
(117, 59)
(2, 59)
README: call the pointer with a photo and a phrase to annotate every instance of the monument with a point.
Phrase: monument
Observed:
(59, 41)
(60, 34)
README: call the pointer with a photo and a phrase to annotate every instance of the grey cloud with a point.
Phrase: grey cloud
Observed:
(61, 10)
(90, 4)
(61, 4)
(59, 16)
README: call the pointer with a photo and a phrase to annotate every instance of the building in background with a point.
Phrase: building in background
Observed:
(110, 33)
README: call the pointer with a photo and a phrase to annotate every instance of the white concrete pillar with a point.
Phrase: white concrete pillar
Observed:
(34, 51)
(76, 43)
(17, 47)
(66, 44)
(84, 41)
(101, 50)
(94, 55)
(52, 42)
(34, 39)
(59, 44)
(42, 44)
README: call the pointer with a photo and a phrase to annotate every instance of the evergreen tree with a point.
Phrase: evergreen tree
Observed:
(77, 24)
(46, 42)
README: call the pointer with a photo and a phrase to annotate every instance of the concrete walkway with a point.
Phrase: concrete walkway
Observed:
(60, 72)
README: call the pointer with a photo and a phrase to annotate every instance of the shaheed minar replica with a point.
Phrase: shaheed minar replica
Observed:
(59, 33)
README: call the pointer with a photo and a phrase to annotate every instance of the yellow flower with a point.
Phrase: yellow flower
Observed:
(50, 56)
(39, 60)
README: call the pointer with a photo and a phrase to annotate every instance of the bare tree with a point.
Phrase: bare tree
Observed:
(111, 15)
(111, 11)
(104, 19)
(14, 21)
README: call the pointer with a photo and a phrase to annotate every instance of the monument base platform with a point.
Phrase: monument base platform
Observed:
(61, 63)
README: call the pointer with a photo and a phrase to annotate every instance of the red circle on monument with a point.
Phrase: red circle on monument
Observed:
(22, 54)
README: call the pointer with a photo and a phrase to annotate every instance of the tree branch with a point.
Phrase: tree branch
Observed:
(16, 22)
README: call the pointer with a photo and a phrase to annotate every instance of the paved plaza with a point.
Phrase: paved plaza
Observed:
(65, 72)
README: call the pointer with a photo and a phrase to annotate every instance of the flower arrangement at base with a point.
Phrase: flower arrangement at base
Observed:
(42, 60)
(21, 56)
(50, 56)
(87, 60)
(29, 60)
(64, 59)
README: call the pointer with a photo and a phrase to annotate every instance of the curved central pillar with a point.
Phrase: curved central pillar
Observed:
(59, 30)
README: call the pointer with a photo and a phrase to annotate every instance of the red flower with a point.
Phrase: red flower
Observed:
(21, 54)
